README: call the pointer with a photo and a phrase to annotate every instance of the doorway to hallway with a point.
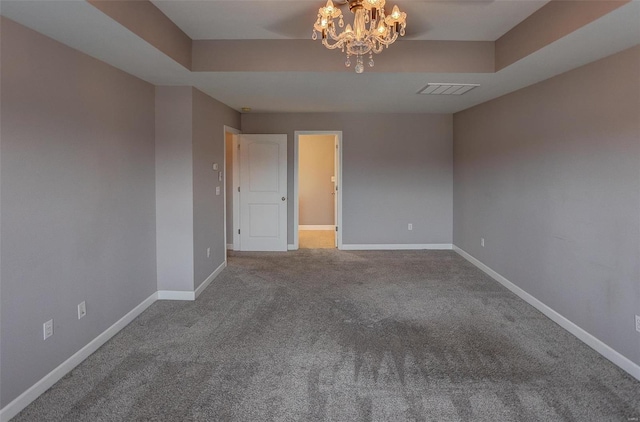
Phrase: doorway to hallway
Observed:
(317, 199)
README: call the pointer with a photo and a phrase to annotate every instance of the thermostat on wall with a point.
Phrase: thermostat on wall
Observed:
(215, 166)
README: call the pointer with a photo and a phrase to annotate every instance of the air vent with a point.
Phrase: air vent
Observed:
(447, 89)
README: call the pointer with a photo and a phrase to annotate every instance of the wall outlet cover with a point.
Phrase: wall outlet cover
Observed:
(47, 328)
(638, 323)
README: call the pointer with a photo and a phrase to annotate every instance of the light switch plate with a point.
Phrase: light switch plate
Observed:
(82, 309)
(219, 176)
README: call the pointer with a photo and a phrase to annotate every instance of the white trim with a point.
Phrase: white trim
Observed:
(209, 279)
(398, 246)
(296, 167)
(176, 295)
(24, 399)
(296, 208)
(605, 350)
(235, 182)
(230, 246)
(292, 247)
(236, 194)
(316, 227)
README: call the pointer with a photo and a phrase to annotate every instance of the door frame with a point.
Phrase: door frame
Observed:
(338, 171)
(235, 181)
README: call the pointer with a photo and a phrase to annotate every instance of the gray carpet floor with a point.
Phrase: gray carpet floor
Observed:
(327, 335)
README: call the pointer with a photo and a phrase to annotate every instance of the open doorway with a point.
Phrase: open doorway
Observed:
(317, 211)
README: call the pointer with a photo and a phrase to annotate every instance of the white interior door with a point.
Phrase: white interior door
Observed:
(263, 192)
(336, 163)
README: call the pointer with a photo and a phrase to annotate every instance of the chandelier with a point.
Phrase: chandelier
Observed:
(371, 32)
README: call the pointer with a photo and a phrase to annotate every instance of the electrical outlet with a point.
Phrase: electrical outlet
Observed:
(208, 252)
(217, 190)
(482, 242)
(638, 323)
(82, 309)
(47, 329)
(410, 226)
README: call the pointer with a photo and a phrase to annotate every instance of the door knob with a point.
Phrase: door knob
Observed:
(283, 198)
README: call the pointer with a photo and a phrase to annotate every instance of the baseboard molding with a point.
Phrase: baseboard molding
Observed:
(24, 399)
(209, 279)
(605, 350)
(292, 247)
(229, 246)
(316, 227)
(394, 247)
(176, 295)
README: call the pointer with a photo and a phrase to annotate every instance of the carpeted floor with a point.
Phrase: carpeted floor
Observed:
(316, 239)
(327, 335)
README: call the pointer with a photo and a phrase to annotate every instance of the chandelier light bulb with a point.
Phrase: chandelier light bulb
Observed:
(373, 4)
(395, 13)
(371, 31)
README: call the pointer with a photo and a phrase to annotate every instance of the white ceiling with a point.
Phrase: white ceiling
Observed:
(83, 27)
(471, 20)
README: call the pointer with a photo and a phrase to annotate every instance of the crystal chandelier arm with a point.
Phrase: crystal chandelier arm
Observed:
(332, 33)
(333, 46)
(377, 48)
(387, 40)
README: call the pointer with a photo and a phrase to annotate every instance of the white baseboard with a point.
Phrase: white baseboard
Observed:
(187, 295)
(229, 246)
(292, 247)
(209, 279)
(316, 227)
(393, 247)
(176, 295)
(624, 363)
(24, 399)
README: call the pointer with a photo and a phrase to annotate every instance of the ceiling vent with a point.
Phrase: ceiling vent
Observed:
(447, 89)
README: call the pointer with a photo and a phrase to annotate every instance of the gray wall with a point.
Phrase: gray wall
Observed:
(397, 169)
(78, 207)
(209, 118)
(190, 216)
(315, 169)
(549, 176)
(174, 188)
